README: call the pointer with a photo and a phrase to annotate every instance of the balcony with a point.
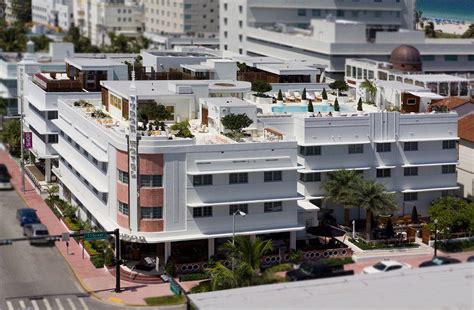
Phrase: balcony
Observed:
(56, 82)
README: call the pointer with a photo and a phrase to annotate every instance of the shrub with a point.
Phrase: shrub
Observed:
(310, 106)
(303, 96)
(337, 261)
(280, 267)
(339, 85)
(261, 87)
(324, 94)
(359, 105)
(193, 277)
(165, 300)
(170, 267)
(108, 257)
(97, 261)
(336, 106)
(89, 248)
(236, 122)
(280, 95)
(183, 129)
(203, 287)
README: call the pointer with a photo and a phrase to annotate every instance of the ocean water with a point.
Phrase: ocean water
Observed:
(451, 9)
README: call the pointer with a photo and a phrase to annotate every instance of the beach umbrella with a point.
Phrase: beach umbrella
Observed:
(414, 215)
(389, 232)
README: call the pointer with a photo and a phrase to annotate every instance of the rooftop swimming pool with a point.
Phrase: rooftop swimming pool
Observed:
(304, 108)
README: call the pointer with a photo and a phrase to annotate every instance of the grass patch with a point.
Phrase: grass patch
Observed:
(457, 246)
(193, 277)
(165, 300)
(337, 261)
(280, 267)
(381, 246)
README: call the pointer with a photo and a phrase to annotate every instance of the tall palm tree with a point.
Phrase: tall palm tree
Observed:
(373, 197)
(371, 88)
(339, 188)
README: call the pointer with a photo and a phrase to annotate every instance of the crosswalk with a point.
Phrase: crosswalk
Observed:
(68, 302)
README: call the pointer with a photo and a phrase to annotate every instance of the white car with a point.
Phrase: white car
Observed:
(386, 266)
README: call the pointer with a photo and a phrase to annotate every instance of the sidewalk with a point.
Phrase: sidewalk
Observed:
(98, 282)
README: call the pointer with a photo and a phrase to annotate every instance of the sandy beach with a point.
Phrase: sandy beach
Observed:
(451, 28)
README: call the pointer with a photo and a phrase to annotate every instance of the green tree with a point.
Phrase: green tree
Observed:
(236, 122)
(469, 33)
(372, 197)
(310, 106)
(123, 44)
(21, 9)
(261, 87)
(280, 95)
(81, 44)
(359, 105)
(156, 112)
(336, 106)
(41, 42)
(324, 94)
(13, 37)
(418, 15)
(339, 187)
(370, 88)
(453, 214)
(183, 129)
(339, 85)
(430, 31)
(303, 96)
(10, 135)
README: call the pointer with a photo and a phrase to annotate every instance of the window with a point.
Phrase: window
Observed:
(356, 148)
(450, 58)
(151, 180)
(310, 150)
(225, 6)
(241, 9)
(274, 206)
(301, 12)
(225, 21)
(123, 208)
(151, 213)
(378, 14)
(123, 176)
(410, 171)
(470, 57)
(448, 169)
(240, 24)
(200, 180)
(383, 147)
(236, 178)
(383, 173)
(52, 114)
(411, 101)
(202, 212)
(272, 176)
(410, 196)
(340, 13)
(428, 57)
(51, 138)
(242, 207)
(310, 177)
(316, 12)
(410, 146)
(449, 144)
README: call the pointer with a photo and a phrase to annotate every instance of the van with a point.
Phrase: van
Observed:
(36, 230)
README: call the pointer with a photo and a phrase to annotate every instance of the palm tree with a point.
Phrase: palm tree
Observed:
(373, 197)
(430, 31)
(339, 188)
(369, 87)
(418, 15)
(222, 277)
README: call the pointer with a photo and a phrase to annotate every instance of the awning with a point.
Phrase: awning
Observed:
(330, 170)
(427, 95)
(433, 189)
(235, 202)
(307, 205)
(430, 164)
(249, 169)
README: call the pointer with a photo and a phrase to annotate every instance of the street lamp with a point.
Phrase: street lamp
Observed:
(436, 237)
(242, 214)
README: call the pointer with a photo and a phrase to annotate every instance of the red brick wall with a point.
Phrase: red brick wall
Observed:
(149, 225)
(122, 160)
(122, 220)
(151, 164)
(122, 192)
(151, 197)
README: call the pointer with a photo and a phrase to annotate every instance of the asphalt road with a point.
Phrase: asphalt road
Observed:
(35, 277)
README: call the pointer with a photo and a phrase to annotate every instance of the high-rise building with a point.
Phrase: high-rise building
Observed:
(52, 13)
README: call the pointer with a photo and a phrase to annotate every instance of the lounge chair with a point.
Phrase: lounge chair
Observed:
(289, 96)
(297, 95)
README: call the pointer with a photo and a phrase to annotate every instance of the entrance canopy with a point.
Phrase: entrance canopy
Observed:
(427, 95)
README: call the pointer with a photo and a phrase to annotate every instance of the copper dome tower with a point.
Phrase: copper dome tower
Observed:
(406, 58)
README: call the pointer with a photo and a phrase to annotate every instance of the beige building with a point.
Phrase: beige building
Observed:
(466, 155)
(195, 17)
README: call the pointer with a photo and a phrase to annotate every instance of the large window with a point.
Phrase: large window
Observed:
(123, 176)
(301, 12)
(242, 207)
(116, 102)
(202, 212)
(410, 146)
(383, 147)
(274, 206)
(449, 144)
(450, 58)
(200, 180)
(151, 180)
(151, 213)
(123, 208)
(448, 169)
(272, 176)
(310, 177)
(310, 150)
(383, 173)
(410, 196)
(410, 171)
(238, 178)
(355, 148)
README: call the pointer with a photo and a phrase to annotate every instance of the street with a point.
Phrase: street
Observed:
(35, 277)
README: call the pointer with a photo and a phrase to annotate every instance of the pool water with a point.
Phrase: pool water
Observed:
(304, 108)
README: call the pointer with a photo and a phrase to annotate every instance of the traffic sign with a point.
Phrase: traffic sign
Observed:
(95, 235)
(65, 236)
(174, 287)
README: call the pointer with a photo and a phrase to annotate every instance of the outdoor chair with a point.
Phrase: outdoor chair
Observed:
(289, 96)
(297, 95)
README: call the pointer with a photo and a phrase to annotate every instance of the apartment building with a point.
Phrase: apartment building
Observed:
(52, 13)
(195, 17)
(466, 156)
(99, 18)
(328, 32)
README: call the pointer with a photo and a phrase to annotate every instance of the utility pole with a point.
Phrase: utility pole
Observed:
(22, 140)
(117, 260)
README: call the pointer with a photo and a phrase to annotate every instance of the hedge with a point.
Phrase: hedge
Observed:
(193, 277)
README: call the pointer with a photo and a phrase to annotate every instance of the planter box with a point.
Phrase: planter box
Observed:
(263, 100)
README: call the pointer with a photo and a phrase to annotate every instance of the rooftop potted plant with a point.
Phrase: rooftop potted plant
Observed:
(310, 106)
(337, 109)
(280, 97)
(324, 95)
(304, 99)
(260, 88)
(360, 111)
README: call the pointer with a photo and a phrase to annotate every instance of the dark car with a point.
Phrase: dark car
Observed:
(309, 271)
(5, 178)
(27, 216)
(470, 259)
(439, 261)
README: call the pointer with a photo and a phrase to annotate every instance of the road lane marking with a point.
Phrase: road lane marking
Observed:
(22, 304)
(60, 305)
(10, 306)
(35, 304)
(46, 303)
(73, 307)
(83, 303)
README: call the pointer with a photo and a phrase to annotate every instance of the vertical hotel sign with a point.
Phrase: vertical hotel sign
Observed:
(133, 159)
(28, 140)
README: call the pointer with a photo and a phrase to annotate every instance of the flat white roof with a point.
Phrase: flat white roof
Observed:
(398, 85)
(253, 61)
(93, 63)
(228, 102)
(442, 287)
(428, 95)
(435, 78)
(287, 68)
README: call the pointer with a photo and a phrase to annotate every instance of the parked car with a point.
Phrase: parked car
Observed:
(470, 259)
(386, 266)
(27, 216)
(36, 230)
(309, 271)
(439, 261)
(5, 178)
